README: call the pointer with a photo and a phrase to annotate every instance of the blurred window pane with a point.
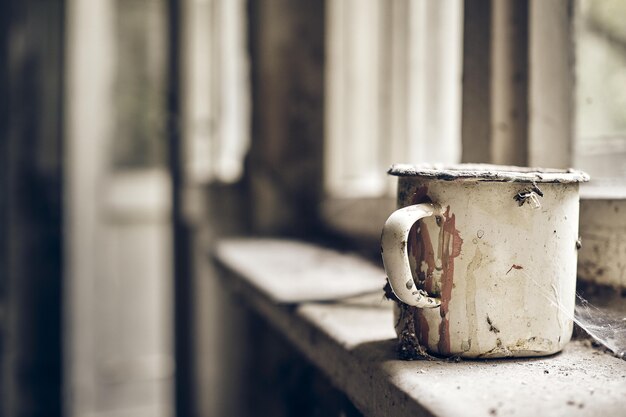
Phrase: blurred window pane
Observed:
(393, 90)
(139, 138)
(216, 89)
(600, 37)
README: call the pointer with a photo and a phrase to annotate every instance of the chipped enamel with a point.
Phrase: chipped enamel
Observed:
(499, 271)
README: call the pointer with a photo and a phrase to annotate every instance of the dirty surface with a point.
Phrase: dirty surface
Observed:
(353, 342)
(519, 287)
(601, 317)
(486, 172)
(529, 195)
(412, 325)
(315, 273)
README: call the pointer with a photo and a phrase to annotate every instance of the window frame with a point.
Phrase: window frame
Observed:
(541, 53)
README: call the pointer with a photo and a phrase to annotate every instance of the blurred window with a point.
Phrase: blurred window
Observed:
(118, 254)
(393, 90)
(216, 89)
(393, 93)
(139, 138)
(600, 131)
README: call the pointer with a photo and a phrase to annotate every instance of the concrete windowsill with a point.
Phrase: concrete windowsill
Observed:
(351, 339)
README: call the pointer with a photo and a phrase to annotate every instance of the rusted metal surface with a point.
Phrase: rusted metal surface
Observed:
(487, 259)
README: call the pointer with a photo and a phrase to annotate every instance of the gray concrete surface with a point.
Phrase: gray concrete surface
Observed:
(352, 341)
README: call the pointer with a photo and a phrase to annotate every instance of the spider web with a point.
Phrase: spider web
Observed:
(605, 328)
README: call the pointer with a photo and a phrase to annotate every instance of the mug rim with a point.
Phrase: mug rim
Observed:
(488, 172)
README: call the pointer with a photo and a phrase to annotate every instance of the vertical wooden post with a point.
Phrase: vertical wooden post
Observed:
(286, 156)
(183, 300)
(551, 83)
(495, 82)
(509, 82)
(476, 97)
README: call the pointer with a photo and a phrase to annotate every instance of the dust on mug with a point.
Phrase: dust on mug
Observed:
(481, 259)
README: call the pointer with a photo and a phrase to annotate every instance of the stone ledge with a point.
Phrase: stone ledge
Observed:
(352, 341)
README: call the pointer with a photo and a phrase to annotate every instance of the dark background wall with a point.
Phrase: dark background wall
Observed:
(31, 89)
(240, 366)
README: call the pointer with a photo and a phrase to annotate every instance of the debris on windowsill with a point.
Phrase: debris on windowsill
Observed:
(356, 346)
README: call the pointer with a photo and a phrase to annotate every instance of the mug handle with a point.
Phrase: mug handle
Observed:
(394, 242)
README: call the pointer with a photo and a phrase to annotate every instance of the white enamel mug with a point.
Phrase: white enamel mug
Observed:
(482, 258)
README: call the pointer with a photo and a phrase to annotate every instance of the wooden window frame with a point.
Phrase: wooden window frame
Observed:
(517, 109)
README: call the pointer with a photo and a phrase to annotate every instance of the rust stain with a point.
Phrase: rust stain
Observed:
(450, 247)
(421, 248)
(421, 326)
(424, 252)
(421, 195)
(514, 266)
(420, 245)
